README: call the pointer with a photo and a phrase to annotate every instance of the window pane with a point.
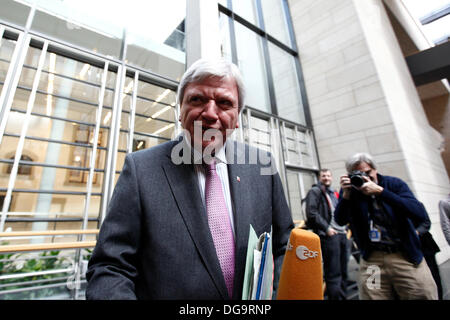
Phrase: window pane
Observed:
(246, 9)
(155, 94)
(55, 130)
(300, 182)
(225, 42)
(51, 153)
(154, 127)
(67, 88)
(165, 61)
(306, 148)
(274, 20)
(287, 90)
(292, 152)
(46, 205)
(76, 34)
(295, 195)
(153, 115)
(127, 97)
(298, 147)
(74, 110)
(14, 12)
(308, 180)
(152, 110)
(155, 36)
(144, 142)
(260, 133)
(57, 179)
(251, 64)
(6, 52)
(223, 3)
(438, 30)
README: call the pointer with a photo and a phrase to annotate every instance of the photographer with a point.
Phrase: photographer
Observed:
(382, 212)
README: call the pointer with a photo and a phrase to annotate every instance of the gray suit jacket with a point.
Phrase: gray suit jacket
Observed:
(155, 242)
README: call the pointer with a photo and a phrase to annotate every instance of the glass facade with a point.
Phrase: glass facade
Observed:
(78, 92)
(251, 64)
(82, 88)
(257, 36)
(260, 42)
(14, 12)
(286, 87)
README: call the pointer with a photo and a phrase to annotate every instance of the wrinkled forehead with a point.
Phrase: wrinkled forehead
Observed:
(363, 166)
(212, 80)
(224, 86)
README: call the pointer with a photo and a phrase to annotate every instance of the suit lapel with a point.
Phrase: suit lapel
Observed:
(184, 186)
(238, 186)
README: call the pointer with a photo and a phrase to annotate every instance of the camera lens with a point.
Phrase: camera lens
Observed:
(356, 180)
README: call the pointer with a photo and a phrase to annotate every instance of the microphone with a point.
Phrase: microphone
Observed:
(301, 272)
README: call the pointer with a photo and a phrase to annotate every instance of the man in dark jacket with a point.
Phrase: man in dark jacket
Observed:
(382, 212)
(429, 250)
(320, 203)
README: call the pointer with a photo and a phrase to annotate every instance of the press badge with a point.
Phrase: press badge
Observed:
(374, 233)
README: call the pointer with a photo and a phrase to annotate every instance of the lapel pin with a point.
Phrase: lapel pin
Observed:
(238, 179)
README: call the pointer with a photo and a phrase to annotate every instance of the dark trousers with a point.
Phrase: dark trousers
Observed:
(335, 259)
(432, 264)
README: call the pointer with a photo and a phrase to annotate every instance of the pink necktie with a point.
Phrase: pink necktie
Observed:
(219, 224)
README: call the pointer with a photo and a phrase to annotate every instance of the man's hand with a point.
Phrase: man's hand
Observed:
(370, 188)
(346, 186)
(331, 232)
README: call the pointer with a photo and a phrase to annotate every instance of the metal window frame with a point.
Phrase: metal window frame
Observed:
(42, 219)
(74, 193)
(299, 147)
(111, 158)
(84, 225)
(12, 79)
(266, 38)
(25, 38)
(94, 147)
(19, 149)
(132, 116)
(282, 147)
(76, 144)
(41, 164)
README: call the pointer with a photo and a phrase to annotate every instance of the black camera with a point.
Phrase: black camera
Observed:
(356, 178)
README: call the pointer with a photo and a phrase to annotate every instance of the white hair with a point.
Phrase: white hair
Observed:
(356, 159)
(203, 68)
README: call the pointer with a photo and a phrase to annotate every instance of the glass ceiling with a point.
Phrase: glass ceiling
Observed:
(151, 19)
(437, 30)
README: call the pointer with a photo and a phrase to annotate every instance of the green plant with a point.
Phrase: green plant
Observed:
(15, 263)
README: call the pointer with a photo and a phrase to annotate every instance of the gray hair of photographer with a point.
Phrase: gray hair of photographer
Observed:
(358, 158)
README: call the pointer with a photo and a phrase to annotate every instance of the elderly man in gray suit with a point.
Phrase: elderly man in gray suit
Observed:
(178, 222)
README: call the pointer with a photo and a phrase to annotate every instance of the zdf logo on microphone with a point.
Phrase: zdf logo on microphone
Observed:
(304, 253)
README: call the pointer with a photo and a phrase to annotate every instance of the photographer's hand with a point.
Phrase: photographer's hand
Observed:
(346, 186)
(370, 188)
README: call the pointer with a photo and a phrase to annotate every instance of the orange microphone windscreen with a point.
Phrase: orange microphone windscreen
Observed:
(301, 273)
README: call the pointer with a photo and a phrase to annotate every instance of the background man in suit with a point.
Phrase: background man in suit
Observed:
(320, 203)
(178, 222)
